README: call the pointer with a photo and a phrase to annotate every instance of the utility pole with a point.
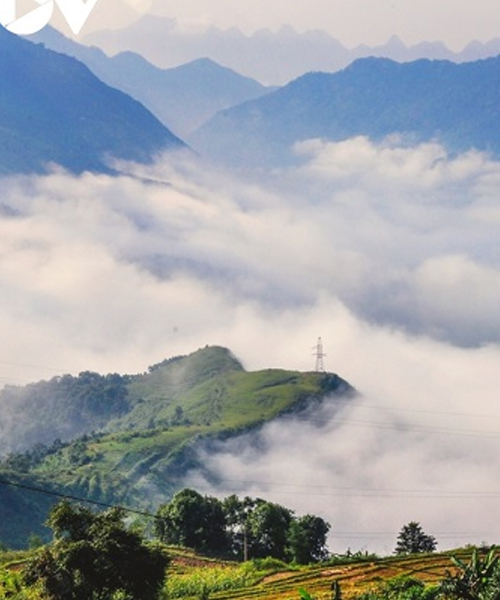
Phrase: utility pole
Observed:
(245, 543)
(319, 354)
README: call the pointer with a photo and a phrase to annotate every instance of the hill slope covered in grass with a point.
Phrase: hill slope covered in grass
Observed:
(150, 426)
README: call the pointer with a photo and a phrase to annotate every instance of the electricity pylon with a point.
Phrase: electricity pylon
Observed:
(319, 354)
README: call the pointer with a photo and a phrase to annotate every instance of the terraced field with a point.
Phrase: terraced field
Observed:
(354, 578)
(191, 576)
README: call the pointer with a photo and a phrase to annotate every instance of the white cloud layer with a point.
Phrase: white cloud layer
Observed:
(387, 251)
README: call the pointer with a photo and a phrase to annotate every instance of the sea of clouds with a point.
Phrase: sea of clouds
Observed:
(388, 252)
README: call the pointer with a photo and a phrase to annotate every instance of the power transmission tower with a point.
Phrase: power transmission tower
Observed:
(319, 354)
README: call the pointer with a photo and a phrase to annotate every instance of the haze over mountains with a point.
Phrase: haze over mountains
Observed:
(271, 57)
(457, 105)
(54, 110)
(453, 104)
(183, 98)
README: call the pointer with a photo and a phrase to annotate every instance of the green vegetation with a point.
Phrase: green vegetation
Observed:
(139, 434)
(62, 408)
(402, 588)
(417, 577)
(23, 512)
(412, 540)
(94, 557)
(201, 582)
(145, 431)
(191, 576)
(240, 529)
(478, 579)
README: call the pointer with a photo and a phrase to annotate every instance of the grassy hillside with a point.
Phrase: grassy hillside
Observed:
(175, 407)
(139, 457)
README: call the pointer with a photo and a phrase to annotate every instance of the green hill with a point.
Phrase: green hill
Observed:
(147, 427)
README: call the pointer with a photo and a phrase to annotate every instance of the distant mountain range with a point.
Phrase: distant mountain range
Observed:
(183, 98)
(271, 57)
(53, 109)
(132, 439)
(456, 104)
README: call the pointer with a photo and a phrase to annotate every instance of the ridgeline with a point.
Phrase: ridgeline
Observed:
(130, 439)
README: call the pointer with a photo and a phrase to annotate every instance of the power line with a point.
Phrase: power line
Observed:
(355, 403)
(401, 427)
(48, 492)
(410, 428)
(345, 492)
(337, 534)
(327, 491)
(440, 534)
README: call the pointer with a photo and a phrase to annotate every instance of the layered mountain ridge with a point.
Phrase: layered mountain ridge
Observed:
(282, 55)
(457, 105)
(54, 110)
(182, 97)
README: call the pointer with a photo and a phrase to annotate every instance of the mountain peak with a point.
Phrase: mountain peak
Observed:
(201, 364)
(395, 43)
(373, 97)
(53, 109)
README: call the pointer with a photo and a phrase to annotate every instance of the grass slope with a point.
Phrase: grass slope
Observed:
(176, 406)
(140, 458)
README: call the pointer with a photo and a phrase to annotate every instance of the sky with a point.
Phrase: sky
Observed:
(326, 35)
(387, 252)
(353, 22)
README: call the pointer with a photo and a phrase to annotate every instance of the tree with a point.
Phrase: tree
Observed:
(237, 514)
(94, 557)
(268, 525)
(260, 528)
(413, 540)
(194, 521)
(479, 579)
(307, 539)
(241, 528)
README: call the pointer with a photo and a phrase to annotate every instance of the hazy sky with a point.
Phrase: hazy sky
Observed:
(455, 22)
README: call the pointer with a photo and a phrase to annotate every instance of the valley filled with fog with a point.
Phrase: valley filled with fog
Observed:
(387, 251)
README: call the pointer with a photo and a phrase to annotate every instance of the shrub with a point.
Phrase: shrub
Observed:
(401, 588)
